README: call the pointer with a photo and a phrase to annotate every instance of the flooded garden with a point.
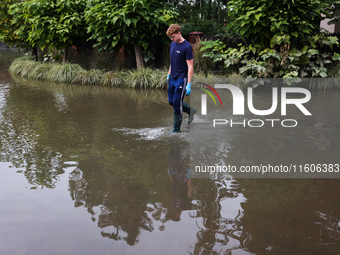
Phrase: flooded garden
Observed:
(88, 170)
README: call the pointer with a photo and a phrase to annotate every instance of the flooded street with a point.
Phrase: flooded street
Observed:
(85, 170)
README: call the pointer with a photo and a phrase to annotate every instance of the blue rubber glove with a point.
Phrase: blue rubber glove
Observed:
(168, 78)
(188, 88)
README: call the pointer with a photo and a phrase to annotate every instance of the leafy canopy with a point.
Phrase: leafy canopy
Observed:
(113, 23)
(7, 28)
(53, 24)
(261, 20)
(284, 39)
(205, 16)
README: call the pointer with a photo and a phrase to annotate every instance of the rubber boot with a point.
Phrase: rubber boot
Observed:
(189, 110)
(177, 123)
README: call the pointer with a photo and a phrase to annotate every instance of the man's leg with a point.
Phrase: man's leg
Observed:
(177, 104)
(171, 90)
(177, 123)
(189, 110)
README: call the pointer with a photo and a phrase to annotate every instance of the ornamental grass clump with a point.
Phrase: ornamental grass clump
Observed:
(40, 72)
(28, 68)
(146, 78)
(90, 77)
(22, 66)
(66, 73)
(74, 73)
(113, 79)
(201, 64)
(17, 66)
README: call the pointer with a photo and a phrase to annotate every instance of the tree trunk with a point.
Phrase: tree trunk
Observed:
(139, 56)
(35, 52)
(40, 54)
(65, 55)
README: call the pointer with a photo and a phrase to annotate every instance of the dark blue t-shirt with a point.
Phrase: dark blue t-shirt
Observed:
(179, 54)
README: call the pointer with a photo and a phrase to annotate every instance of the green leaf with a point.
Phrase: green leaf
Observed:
(313, 52)
(208, 54)
(336, 56)
(114, 20)
(134, 21)
(295, 33)
(258, 16)
(323, 74)
(128, 22)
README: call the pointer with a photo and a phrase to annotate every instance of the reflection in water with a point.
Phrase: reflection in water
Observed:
(113, 202)
(220, 228)
(22, 138)
(284, 215)
(120, 176)
(218, 204)
(182, 190)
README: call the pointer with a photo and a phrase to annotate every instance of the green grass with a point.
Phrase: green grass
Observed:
(113, 79)
(40, 72)
(90, 77)
(22, 66)
(74, 73)
(64, 73)
(145, 78)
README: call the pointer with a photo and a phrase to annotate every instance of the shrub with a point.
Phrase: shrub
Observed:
(283, 39)
(280, 60)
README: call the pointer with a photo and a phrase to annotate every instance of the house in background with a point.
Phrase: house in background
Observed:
(333, 29)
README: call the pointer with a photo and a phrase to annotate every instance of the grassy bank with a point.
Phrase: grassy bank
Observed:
(145, 78)
(73, 73)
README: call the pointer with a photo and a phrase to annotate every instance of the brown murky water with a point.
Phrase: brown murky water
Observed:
(85, 171)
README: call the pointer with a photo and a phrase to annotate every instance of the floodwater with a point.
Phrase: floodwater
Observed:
(84, 170)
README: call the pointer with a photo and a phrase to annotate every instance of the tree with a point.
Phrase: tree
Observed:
(142, 23)
(53, 24)
(206, 16)
(7, 28)
(283, 39)
(261, 20)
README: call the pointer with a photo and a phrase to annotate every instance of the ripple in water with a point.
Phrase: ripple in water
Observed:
(146, 133)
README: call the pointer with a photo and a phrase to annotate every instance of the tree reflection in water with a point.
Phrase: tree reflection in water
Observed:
(127, 205)
(122, 203)
(21, 142)
(222, 230)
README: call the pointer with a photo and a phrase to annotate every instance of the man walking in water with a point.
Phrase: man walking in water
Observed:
(180, 75)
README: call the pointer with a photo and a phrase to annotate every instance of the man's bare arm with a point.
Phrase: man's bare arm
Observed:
(190, 64)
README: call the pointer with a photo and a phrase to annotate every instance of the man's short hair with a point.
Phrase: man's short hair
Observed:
(173, 29)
